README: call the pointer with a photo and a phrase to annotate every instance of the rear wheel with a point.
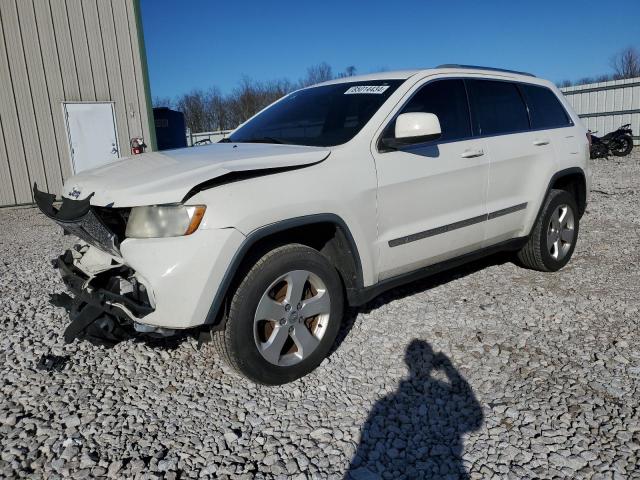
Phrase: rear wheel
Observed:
(553, 237)
(284, 316)
(622, 146)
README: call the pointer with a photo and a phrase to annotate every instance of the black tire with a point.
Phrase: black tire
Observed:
(623, 147)
(536, 254)
(236, 342)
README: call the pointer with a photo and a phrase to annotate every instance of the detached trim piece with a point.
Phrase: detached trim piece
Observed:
(414, 237)
(76, 217)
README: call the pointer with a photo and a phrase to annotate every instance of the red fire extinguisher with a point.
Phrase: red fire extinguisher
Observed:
(137, 146)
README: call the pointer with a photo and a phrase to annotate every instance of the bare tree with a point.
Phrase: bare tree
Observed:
(565, 83)
(317, 74)
(211, 110)
(626, 63)
(194, 107)
(162, 102)
(604, 78)
(585, 81)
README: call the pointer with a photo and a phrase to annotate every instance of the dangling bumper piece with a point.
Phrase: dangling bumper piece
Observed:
(77, 217)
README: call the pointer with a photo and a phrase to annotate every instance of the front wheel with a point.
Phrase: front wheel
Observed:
(554, 235)
(622, 146)
(284, 316)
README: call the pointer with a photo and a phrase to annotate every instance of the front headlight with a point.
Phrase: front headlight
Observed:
(164, 221)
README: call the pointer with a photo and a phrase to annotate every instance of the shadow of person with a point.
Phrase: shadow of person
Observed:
(417, 431)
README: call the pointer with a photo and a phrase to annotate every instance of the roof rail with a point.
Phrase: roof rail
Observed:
(476, 67)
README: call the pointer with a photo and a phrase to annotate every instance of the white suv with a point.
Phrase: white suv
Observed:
(324, 199)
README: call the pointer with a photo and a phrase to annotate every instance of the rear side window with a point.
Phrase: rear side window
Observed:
(496, 107)
(448, 100)
(545, 109)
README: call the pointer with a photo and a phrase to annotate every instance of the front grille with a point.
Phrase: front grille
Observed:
(115, 219)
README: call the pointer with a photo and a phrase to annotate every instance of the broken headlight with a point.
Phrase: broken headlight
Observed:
(164, 221)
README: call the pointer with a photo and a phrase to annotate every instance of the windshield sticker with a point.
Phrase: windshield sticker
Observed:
(374, 89)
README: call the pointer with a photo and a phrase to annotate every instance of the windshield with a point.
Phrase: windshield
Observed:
(318, 116)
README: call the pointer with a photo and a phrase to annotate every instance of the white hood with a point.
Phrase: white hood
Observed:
(166, 177)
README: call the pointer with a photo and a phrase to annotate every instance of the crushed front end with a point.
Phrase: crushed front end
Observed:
(122, 284)
(109, 298)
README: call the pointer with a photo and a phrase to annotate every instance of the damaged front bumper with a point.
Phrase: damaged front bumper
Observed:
(109, 300)
(153, 285)
(107, 305)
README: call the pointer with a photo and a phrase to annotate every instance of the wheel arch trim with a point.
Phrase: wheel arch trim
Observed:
(266, 231)
(554, 178)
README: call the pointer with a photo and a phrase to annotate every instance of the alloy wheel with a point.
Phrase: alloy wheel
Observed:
(291, 318)
(561, 231)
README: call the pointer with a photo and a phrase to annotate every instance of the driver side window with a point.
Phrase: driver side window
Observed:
(448, 100)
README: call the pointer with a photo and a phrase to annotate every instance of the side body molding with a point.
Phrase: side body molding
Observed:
(266, 231)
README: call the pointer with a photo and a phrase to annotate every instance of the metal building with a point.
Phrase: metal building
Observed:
(605, 106)
(74, 90)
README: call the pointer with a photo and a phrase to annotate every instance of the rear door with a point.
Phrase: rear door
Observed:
(431, 196)
(547, 113)
(521, 159)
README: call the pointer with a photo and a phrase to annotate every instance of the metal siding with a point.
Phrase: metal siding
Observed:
(63, 50)
(53, 74)
(114, 75)
(12, 169)
(139, 73)
(7, 196)
(96, 50)
(81, 50)
(618, 96)
(126, 68)
(22, 94)
(39, 96)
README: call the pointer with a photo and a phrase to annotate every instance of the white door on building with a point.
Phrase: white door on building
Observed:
(91, 129)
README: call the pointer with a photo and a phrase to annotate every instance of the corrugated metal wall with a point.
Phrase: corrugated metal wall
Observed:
(605, 106)
(64, 50)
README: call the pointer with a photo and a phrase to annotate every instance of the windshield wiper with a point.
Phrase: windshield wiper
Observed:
(263, 140)
(224, 140)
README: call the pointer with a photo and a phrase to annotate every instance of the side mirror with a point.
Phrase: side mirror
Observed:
(417, 127)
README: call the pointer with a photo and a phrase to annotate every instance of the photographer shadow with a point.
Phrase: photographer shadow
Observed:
(417, 431)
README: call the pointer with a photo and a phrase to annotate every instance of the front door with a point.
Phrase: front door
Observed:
(91, 129)
(432, 196)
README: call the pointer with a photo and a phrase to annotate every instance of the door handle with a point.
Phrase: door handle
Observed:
(541, 141)
(472, 153)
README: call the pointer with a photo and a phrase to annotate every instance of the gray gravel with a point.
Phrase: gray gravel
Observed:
(488, 371)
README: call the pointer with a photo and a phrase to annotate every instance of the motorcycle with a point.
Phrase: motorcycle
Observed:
(618, 143)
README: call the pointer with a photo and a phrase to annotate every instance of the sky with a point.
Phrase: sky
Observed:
(200, 44)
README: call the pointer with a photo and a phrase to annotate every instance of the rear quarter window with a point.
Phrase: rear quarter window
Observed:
(496, 107)
(545, 109)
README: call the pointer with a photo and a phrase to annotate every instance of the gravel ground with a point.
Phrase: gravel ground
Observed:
(486, 371)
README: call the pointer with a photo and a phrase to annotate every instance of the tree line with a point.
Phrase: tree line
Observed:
(625, 64)
(210, 110)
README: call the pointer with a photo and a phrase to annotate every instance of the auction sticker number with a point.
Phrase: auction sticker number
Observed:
(371, 89)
